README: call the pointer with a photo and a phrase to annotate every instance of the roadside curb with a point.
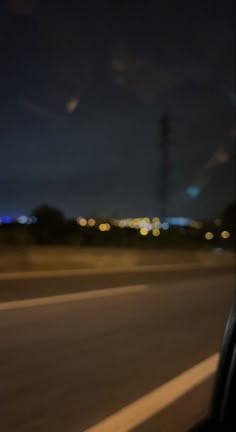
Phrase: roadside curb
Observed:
(45, 274)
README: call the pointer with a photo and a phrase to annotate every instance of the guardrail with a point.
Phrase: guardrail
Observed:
(50, 258)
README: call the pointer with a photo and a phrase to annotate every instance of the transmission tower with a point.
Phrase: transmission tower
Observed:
(164, 163)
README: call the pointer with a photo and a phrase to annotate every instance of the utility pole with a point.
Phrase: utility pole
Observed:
(164, 163)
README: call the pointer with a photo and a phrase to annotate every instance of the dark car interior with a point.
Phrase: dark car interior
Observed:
(222, 414)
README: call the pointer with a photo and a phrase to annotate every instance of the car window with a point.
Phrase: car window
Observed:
(117, 211)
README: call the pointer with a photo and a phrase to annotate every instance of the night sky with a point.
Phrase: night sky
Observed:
(82, 87)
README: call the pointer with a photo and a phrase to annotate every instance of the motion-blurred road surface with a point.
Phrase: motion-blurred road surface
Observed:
(67, 366)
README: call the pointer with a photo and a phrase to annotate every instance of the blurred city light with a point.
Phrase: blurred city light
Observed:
(142, 224)
(6, 219)
(225, 234)
(91, 222)
(132, 224)
(178, 221)
(156, 232)
(196, 224)
(82, 222)
(22, 219)
(71, 104)
(165, 226)
(121, 224)
(143, 231)
(155, 220)
(102, 227)
(209, 235)
(193, 191)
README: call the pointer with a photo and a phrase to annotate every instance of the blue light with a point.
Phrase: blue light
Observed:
(193, 191)
(6, 219)
(22, 219)
(178, 221)
(165, 226)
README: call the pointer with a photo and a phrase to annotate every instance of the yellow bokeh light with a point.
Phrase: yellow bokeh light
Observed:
(136, 222)
(102, 227)
(225, 234)
(108, 226)
(132, 224)
(121, 223)
(156, 232)
(146, 219)
(196, 224)
(155, 220)
(71, 104)
(143, 231)
(82, 222)
(91, 222)
(209, 235)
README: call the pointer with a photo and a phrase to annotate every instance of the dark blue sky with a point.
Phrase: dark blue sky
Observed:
(126, 63)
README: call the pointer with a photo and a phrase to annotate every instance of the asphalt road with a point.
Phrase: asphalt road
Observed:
(33, 288)
(65, 367)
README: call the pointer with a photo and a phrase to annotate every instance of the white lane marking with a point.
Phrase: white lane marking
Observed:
(44, 274)
(149, 405)
(65, 298)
